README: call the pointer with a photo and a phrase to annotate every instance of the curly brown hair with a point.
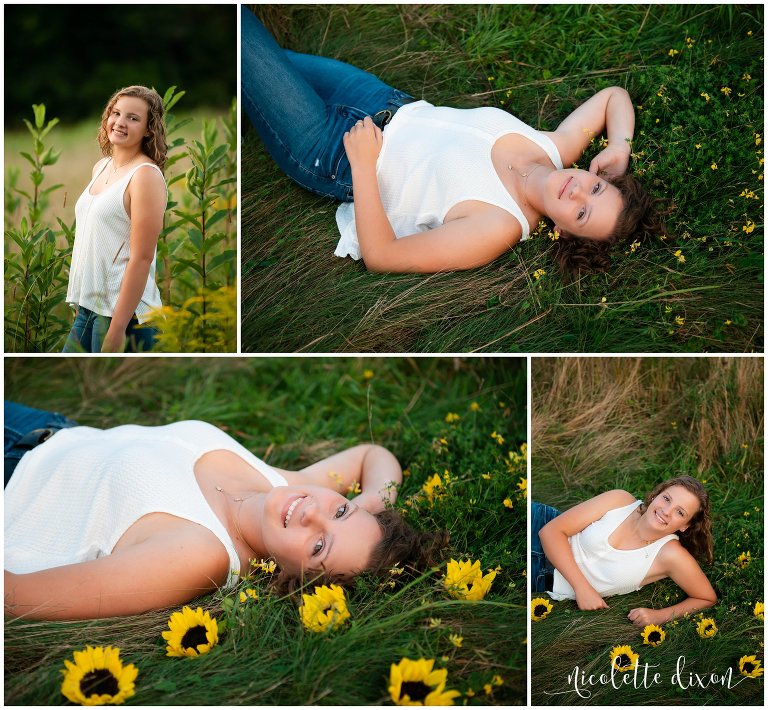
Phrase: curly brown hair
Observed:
(153, 145)
(697, 537)
(411, 550)
(640, 219)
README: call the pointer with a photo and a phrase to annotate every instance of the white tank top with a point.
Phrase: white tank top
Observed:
(102, 247)
(434, 157)
(72, 498)
(608, 570)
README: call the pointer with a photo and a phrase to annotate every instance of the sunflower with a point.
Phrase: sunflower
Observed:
(465, 580)
(623, 658)
(653, 635)
(759, 610)
(191, 633)
(415, 683)
(540, 608)
(325, 609)
(98, 677)
(706, 628)
(750, 667)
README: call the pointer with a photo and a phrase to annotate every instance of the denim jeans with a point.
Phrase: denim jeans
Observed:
(301, 105)
(541, 568)
(19, 421)
(90, 329)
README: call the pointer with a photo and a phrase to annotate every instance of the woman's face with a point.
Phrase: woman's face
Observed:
(314, 529)
(582, 203)
(127, 122)
(672, 510)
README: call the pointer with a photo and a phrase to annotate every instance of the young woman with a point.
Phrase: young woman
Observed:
(119, 521)
(426, 188)
(119, 218)
(615, 544)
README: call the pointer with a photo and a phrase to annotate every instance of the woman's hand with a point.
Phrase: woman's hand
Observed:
(589, 600)
(612, 161)
(641, 617)
(363, 143)
(114, 341)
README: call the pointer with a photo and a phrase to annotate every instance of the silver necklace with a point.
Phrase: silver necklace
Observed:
(116, 167)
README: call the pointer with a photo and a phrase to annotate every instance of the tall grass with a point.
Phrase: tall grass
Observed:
(627, 423)
(292, 412)
(540, 62)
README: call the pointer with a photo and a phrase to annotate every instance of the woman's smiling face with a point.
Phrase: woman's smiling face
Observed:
(314, 529)
(127, 122)
(672, 510)
(582, 204)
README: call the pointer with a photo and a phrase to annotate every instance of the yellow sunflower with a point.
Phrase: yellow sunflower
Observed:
(759, 610)
(98, 677)
(465, 580)
(653, 635)
(415, 683)
(750, 667)
(540, 608)
(191, 633)
(325, 609)
(623, 658)
(706, 628)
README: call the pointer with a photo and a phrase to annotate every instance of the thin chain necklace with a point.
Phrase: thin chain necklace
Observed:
(236, 516)
(116, 167)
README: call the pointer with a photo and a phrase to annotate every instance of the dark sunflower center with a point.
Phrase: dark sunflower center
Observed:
(539, 610)
(654, 636)
(415, 690)
(707, 628)
(195, 637)
(748, 667)
(99, 682)
(623, 660)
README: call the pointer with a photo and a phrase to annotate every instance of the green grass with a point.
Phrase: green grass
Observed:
(292, 411)
(540, 62)
(630, 424)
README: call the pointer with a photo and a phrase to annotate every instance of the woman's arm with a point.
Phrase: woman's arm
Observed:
(681, 567)
(463, 243)
(148, 197)
(154, 574)
(609, 110)
(554, 541)
(373, 467)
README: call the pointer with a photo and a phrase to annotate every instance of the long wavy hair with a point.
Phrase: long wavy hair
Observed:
(641, 219)
(401, 545)
(697, 537)
(154, 144)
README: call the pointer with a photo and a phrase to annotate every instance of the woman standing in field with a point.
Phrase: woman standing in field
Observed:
(427, 188)
(111, 522)
(615, 544)
(119, 218)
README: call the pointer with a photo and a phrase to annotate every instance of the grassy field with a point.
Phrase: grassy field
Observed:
(291, 412)
(630, 424)
(695, 74)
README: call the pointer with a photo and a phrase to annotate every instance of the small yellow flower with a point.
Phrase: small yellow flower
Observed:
(539, 273)
(758, 140)
(522, 488)
(698, 146)
(443, 441)
(269, 567)
(470, 693)
(433, 488)
(465, 580)
(435, 623)
(728, 322)
(497, 437)
(623, 658)
(451, 417)
(744, 559)
(634, 246)
(486, 476)
(474, 407)
(690, 42)
(540, 608)
(603, 299)
(325, 609)
(680, 256)
(726, 90)
(653, 635)
(746, 77)
(679, 320)
(367, 374)
(354, 488)
(750, 666)
(248, 594)
(705, 96)
(488, 688)
(673, 52)
(507, 503)
(759, 610)
(456, 640)
(713, 166)
(706, 628)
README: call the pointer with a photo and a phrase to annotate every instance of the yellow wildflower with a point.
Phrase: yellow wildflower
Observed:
(539, 273)
(451, 417)
(456, 640)
(508, 503)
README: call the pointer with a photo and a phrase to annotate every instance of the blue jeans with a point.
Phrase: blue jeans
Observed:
(541, 568)
(19, 421)
(90, 329)
(301, 105)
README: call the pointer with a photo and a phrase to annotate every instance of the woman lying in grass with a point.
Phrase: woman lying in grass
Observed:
(615, 544)
(110, 522)
(436, 188)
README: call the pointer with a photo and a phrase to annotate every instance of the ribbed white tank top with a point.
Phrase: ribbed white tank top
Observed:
(608, 570)
(72, 498)
(434, 157)
(102, 247)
